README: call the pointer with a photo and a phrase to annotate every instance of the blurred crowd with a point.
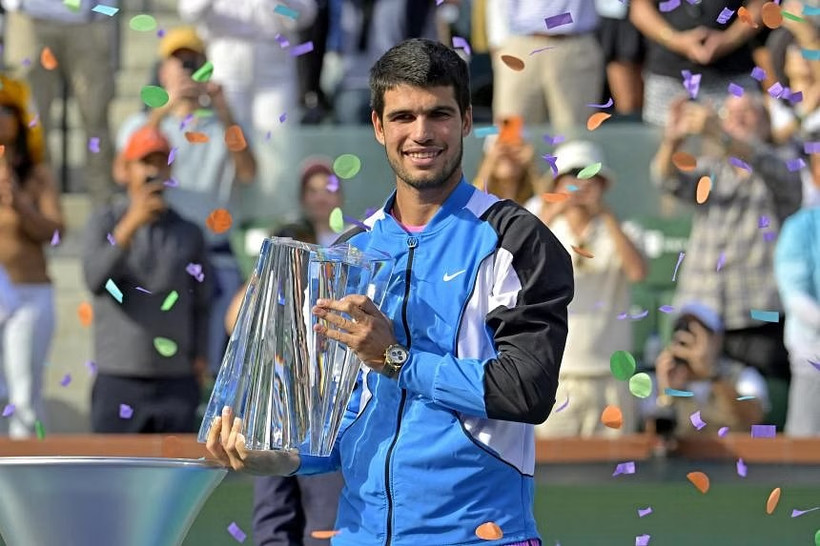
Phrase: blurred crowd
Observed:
(732, 88)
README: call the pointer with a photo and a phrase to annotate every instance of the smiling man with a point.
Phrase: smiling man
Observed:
(463, 357)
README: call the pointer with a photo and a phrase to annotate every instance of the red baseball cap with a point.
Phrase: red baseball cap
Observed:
(144, 141)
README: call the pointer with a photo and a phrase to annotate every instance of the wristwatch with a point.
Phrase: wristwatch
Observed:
(394, 358)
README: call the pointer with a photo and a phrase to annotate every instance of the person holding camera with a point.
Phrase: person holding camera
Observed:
(148, 270)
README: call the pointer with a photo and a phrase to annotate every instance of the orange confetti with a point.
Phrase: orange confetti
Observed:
(47, 59)
(2, 150)
(86, 313)
(699, 480)
(219, 221)
(596, 119)
(703, 189)
(583, 252)
(489, 531)
(771, 15)
(196, 138)
(234, 139)
(554, 197)
(774, 498)
(612, 417)
(513, 63)
(746, 16)
(324, 535)
(683, 161)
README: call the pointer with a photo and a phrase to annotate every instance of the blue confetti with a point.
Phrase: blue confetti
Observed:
(286, 11)
(481, 132)
(765, 316)
(105, 10)
(114, 290)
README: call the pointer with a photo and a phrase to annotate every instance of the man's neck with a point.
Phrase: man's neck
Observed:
(416, 207)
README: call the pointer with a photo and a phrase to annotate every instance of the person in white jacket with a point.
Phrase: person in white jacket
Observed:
(251, 45)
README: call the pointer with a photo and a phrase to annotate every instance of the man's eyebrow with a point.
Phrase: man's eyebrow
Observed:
(437, 108)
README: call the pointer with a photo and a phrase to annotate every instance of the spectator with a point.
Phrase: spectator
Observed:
(316, 105)
(556, 84)
(85, 64)
(30, 217)
(624, 52)
(508, 170)
(584, 224)
(204, 173)
(693, 362)
(138, 253)
(257, 74)
(690, 38)
(798, 279)
(728, 263)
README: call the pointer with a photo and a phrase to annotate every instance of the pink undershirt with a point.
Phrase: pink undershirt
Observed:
(408, 227)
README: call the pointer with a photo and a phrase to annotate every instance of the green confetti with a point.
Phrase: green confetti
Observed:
(792, 16)
(622, 365)
(817, 538)
(170, 300)
(40, 430)
(73, 5)
(164, 346)
(142, 23)
(337, 220)
(203, 113)
(204, 72)
(347, 166)
(640, 385)
(589, 171)
(154, 96)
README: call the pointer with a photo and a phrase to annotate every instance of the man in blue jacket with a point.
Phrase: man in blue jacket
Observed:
(463, 358)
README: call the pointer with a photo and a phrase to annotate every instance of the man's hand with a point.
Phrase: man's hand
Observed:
(693, 346)
(147, 204)
(670, 374)
(368, 331)
(690, 44)
(717, 45)
(227, 444)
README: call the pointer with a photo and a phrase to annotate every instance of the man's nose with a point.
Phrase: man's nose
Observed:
(422, 129)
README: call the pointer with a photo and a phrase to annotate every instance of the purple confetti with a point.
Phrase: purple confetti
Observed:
(721, 261)
(691, 82)
(111, 239)
(815, 364)
(624, 468)
(642, 540)
(160, 33)
(356, 222)
(811, 147)
(666, 309)
(668, 5)
(562, 407)
(622, 316)
(92, 367)
(55, 238)
(558, 20)
(725, 15)
(551, 159)
(172, 155)
(301, 49)
(540, 49)
(33, 123)
(186, 121)
(65, 380)
(797, 513)
(195, 270)
(795, 164)
(758, 73)
(283, 117)
(332, 183)
(283, 42)
(171, 183)
(741, 468)
(94, 145)
(763, 431)
(607, 104)
(796, 97)
(236, 532)
(8, 410)
(459, 42)
(552, 141)
(143, 290)
(776, 90)
(723, 431)
(677, 265)
(267, 136)
(696, 421)
(769, 236)
(126, 411)
(735, 89)
(763, 221)
(640, 315)
(26, 62)
(739, 163)
(644, 511)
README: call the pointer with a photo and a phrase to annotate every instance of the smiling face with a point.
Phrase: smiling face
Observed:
(422, 132)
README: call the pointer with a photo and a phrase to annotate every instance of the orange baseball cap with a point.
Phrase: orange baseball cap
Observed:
(145, 140)
(185, 37)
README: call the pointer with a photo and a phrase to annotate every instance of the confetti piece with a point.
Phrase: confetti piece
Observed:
(589, 171)
(554, 197)
(691, 82)
(758, 74)
(33, 123)
(745, 15)
(678, 393)
(196, 138)
(644, 511)
(562, 407)
(337, 222)
(219, 220)
(114, 290)
(332, 183)
(739, 163)
(773, 500)
(126, 411)
(770, 15)
(203, 73)
(154, 96)
(677, 265)
(73, 5)
(86, 313)
(684, 161)
(776, 90)
(171, 183)
(815, 364)
(811, 147)
(796, 97)
(817, 538)
(795, 164)
(540, 49)
(559, 20)
(283, 42)
(622, 365)
(551, 159)
(236, 532)
(582, 252)
(744, 398)
(696, 420)
(186, 121)
(55, 238)
(489, 531)
(703, 188)
(735, 90)
(324, 535)
(666, 309)
(769, 236)
(169, 301)
(624, 468)
(172, 155)
(65, 380)
(642, 540)
(142, 23)
(725, 15)
(347, 166)
(301, 49)
(39, 429)
(607, 104)
(286, 11)
(481, 132)
(513, 63)
(105, 10)
(92, 367)
(195, 270)
(47, 59)
(741, 468)
(763, 222)
(764, 431)
(641, 315)
(811, 54)
(721, 261)
(765, 316)
(164, 346)
(640, 385)
(552, 141)
(723, 432)
(797, 513)
(668, 5)
(792, 16)
(699, 480)
(595, 120)
(461, 43)
(234, 139)
(94, 145)
(8, 410)
(612, 417)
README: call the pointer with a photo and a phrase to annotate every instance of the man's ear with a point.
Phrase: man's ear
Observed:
(467, 123)
(378, 126)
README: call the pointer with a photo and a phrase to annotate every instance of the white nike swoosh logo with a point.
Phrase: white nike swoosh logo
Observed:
(448, 277)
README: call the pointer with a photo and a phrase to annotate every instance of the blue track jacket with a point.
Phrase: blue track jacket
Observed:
(480, 298)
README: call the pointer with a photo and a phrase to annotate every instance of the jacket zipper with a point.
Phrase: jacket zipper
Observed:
(412, 242)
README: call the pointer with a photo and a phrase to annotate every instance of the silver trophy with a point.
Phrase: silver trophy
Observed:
(288, 384)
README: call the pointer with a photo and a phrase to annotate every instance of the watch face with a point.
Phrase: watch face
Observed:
(397, 355)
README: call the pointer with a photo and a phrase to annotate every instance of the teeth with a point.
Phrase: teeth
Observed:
(422, 155)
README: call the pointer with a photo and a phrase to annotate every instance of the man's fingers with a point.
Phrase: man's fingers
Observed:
(214, 443)
(337, 335)
(227, 424)
(237, 463)
(337, 320)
